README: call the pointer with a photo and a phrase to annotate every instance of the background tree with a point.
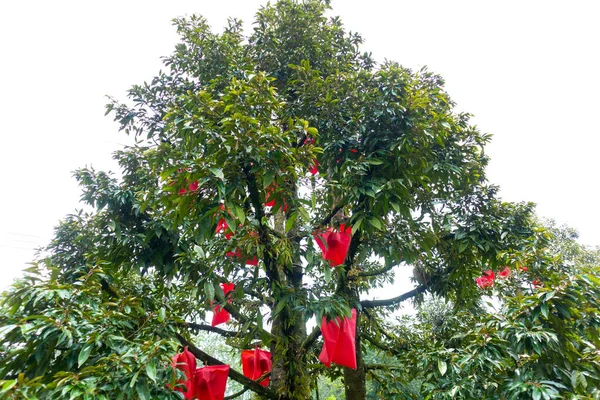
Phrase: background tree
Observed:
(536, 338)
(231, 125)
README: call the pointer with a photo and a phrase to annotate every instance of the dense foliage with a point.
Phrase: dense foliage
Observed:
(536, 338)
(255, 147)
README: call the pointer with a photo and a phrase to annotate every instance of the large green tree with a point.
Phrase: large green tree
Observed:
(232, 123)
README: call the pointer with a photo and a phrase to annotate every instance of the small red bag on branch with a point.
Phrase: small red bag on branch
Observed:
(334, 244)
(186, 362)
(271, 203)
(238, 254)
(486, 280)
(339, 341)
(210, 382)
(220, 315)
(314, 168)
(256, 363)
(206, 383)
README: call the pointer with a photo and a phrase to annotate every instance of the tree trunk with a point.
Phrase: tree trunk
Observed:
(289, 375)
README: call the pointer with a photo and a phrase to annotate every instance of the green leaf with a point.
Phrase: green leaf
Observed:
(375, 223)
(8, 385)
(442, 366)
(209, 290)
(304, 214)
(84, 354)
(238, 212)
(327, 273)
(151, 370)
(218, 172)
(268, 178)
(134, 379)
(357, 225)
(142, 390)
(167, 172)
(289, 223)
(199, 252)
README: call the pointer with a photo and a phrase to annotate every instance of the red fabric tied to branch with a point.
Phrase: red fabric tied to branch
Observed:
(314, 168)
(486, 280)
(505, 273)
(186, 362)
(220, 315)
(210, 382)
(334, 244)
(206, 383)
(223, 227)
(238, 254)
(271, 203)
(256, 363)
(192, 187)
(339, 341)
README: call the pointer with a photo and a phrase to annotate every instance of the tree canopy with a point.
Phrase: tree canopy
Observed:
(291, 169)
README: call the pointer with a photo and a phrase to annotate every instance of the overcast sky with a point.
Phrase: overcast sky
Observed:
(527, 70)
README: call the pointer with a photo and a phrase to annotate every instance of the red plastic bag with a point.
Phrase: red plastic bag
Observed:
(221, 316)
(314, 168)
(238, 254)
(334, 244)
(256, 363)
(271, 202)
(186, 362)
(339, 341)
(210, 382)
(486, 280)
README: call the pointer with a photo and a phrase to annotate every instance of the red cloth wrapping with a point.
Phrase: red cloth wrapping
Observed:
(314, 168)
(256, 363)
(486, 280)
(238, 254)
(206, 383)
(339, 341)
(334, 244)
(192, 187)
(210, 382)
(186, 362)
(271, 203)
(221, 316)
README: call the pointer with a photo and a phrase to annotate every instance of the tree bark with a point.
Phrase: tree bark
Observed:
(289, 377)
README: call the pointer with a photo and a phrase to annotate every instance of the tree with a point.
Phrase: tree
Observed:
(258, 147)
(537, 339)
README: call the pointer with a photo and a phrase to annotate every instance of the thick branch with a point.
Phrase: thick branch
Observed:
(310, 339)
(325, 221)
(377, 271)
(395, 300)
(241, 318)
(208, 328)
(383, 366)
(233, 374)
(380, 345)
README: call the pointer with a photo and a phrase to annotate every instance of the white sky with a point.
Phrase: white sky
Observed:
(526, 70)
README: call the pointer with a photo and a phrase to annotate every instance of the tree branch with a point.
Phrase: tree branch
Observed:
(237, 315)
(377, 271)
(310, 339)
(325, 221)
(395, 300)
(380, 345)
(233, 374)
(208, 328)
(383, 366)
